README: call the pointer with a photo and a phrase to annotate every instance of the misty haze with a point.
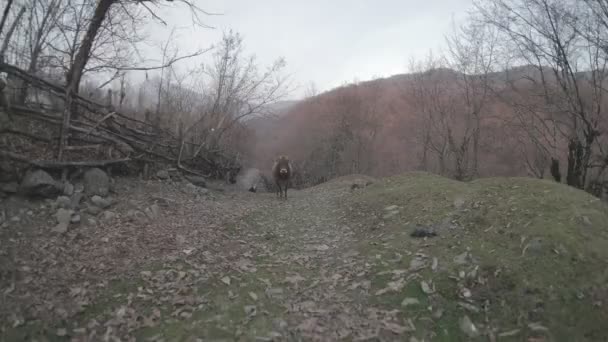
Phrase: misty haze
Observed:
(206, 170)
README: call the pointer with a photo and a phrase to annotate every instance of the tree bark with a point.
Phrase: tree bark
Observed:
(74, 74)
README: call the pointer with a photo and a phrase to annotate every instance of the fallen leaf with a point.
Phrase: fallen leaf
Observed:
(394, 286)
(509, 333)
(294, 279)
(253, 296)
(396, 328)
(410, 301)
(467, 327)
(426, 288)
(226, 280)
(250, 310)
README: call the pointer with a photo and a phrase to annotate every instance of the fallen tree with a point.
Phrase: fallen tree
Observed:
(100, 136)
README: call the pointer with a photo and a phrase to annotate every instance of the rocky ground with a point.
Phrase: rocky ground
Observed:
(414, 258)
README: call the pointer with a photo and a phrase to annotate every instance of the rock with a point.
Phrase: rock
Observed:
(63, 216)
(163, 174)
(38, 183)
(94, 210)
(109, 215)
(68, 189)
(96, 182)
(75, 219)
(390, 214)
(63, 202)
(101, 202)
(198, 181)
(76, 199)
(9, 188)
(136, 216)
(422, 233)
(8, 172)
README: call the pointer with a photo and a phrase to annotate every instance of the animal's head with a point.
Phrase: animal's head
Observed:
(283, 165)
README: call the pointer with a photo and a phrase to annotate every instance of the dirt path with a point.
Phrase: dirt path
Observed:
(330, 263)
(231, 266)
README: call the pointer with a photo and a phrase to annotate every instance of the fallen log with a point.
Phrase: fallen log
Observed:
(49, 164)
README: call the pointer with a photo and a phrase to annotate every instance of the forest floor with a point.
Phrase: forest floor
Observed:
(503, 260)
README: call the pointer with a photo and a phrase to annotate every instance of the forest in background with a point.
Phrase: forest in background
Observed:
(518, 90)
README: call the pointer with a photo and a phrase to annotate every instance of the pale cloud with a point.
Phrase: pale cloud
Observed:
(327, 42)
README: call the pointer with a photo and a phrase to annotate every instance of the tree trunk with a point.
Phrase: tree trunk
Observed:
(557, 176)
(74, 74)
(7, 9)
(575, 164)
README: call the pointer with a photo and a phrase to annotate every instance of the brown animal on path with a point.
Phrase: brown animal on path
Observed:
(281, 172)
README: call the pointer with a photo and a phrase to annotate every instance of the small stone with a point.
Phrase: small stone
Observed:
(63, 215)
(68, 189)
(423, 233)
(101, 202)
(109, 215)
(15, 219)
(61, 228)
(75, 219)
(96, 182)
(162, 174)
(250, 310)
(91, 222)
(63, 202)
(391, 208)
(94, 210)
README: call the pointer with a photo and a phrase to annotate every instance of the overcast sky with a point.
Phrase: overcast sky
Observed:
(328, 42)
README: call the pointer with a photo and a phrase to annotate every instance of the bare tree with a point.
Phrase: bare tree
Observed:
(565, 77)
(471, 54)
(236, 89)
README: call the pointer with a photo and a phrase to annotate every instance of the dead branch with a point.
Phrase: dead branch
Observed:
(44, 164)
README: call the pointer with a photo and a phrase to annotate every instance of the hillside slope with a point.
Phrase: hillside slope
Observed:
(512, 259)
